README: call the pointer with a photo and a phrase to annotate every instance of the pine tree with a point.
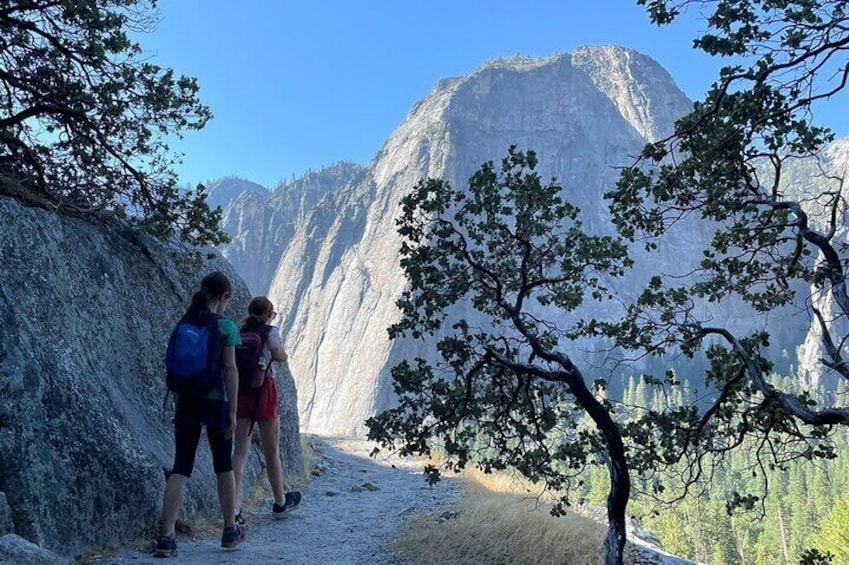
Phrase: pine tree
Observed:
(834, 533)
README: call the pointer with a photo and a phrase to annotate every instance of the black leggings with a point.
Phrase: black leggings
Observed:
(188, 421)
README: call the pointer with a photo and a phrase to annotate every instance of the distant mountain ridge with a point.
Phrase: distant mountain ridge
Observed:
(222, 192)
(261, 222)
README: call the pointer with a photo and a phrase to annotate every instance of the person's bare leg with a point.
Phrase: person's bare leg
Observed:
(240, 455)
(269, 434)
(175, 486)
(227, 497)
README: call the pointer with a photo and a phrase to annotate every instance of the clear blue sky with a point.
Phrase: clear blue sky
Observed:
(299, 85)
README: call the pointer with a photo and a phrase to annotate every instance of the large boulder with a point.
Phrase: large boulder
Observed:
(15, 550)
(85, 437)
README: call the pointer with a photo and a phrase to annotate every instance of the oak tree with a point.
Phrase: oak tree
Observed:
(504, 391)
(85, 117)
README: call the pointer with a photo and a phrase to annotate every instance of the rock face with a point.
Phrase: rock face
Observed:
(7, 525)
(222, 192)
(812, 372)
(84, 441)
(582, 113)
(15, 550)
(263, 222)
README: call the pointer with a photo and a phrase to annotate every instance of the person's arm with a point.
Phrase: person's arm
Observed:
(231, 381)
(275, 345)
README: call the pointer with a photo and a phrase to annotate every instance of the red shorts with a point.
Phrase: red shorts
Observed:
(259, 406)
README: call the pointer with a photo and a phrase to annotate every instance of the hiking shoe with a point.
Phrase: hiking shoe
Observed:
(166, 546)
(293, 499)
(240, 520)
(232, 537)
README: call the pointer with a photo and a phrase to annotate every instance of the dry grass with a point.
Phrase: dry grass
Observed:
(498, 528)
(504, 483)
(501, 519)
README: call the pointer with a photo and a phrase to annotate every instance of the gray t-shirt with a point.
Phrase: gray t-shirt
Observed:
(265, 356)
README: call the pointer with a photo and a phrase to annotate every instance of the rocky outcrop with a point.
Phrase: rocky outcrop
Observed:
(84, 440)
(15, 550)
(641, 90)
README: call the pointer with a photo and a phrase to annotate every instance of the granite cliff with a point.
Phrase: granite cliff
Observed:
(262, 222)
(585, 113)
(824, 174)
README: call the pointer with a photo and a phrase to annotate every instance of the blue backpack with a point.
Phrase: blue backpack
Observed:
(192, 367)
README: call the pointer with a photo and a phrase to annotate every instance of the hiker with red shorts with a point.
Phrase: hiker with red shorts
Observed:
(261, 345)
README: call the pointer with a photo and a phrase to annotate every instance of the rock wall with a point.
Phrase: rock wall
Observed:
(586, 114)
(85, 315)
(583, 113)
(827, 174)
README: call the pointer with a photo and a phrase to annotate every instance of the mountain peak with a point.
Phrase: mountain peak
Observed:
(221, 192)
(641, 89)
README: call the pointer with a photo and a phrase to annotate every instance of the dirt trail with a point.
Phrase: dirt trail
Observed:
(347, 516)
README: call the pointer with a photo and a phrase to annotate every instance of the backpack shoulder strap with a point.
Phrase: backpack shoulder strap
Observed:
(212, 324)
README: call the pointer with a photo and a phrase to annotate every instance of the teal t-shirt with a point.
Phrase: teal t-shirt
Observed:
(229, 338)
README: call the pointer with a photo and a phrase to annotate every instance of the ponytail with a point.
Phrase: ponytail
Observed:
(250, 323)
(199, 309)
(213, 285)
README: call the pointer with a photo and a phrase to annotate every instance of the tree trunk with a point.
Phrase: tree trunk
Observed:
(617, 499)
(739, 541)
(783, 536)
(617, 466)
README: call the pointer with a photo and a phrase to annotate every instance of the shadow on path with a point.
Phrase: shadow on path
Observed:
(349, 513)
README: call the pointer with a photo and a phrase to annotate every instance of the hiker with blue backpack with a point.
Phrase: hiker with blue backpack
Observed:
(261, 345)
(201, 370)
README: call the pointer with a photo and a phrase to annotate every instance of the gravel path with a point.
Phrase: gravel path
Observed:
(347, 516)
